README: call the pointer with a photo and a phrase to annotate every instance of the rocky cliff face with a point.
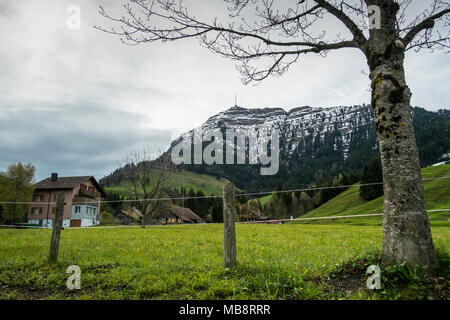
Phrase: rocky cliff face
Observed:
(297, 125)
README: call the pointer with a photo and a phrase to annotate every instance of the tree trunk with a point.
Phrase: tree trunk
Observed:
(144, 221)
(406, 229)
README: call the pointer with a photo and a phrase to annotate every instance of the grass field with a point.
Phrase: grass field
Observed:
(325, 260)
(208, 184)
(437, 196)
(186, 262)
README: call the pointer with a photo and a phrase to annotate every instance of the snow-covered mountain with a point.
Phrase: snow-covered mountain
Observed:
(314, 144)
(295, 125)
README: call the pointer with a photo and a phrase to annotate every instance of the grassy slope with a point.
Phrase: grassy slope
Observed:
(208, 184)
(186, 262)
(437, 196)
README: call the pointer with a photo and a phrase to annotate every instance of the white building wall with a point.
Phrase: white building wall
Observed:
(66, 223)
(89, 222)
(49, 222)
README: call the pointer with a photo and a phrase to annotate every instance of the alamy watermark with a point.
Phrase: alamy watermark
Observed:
(374, 13)
(74, 281)
(73, 21)
(258, 143)
(374, 281)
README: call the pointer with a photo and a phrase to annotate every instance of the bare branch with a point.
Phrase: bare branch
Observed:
(424, 25)
(147, 179)
(339, 14)
(243, 42)
(278, 36)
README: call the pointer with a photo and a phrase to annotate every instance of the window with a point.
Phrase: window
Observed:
(77, 209)
(37, 197)
(54, 210)
(91, 211)
(36, 211)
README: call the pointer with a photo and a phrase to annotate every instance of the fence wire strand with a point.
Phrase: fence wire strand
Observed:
(260, 193)
(237, 222)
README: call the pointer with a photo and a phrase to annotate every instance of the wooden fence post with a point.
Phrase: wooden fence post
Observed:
(229, 233)
(54, 244)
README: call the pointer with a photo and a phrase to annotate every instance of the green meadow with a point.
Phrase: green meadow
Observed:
(289, 261)
(189, 180)
(437, 196)
(323, 259)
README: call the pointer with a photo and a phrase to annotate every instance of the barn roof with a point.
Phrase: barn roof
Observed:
(134, 214)
(184, 213)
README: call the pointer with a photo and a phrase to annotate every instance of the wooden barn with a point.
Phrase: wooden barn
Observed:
(177, 214)
(132, 216)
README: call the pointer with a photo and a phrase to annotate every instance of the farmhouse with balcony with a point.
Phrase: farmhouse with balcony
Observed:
(82, 197)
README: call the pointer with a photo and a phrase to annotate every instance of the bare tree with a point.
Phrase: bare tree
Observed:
(146, 181)
(265, 40)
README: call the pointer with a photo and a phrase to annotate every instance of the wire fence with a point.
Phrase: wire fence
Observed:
(274, 221)
(260, 193)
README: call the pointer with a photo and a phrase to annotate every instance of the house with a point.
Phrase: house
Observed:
(82, 198)
(129, 217)
(177, 214)
(166, 215)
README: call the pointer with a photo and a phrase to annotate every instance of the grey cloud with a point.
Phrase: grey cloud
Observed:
(74, 139)
(5, 8)
(76, 101)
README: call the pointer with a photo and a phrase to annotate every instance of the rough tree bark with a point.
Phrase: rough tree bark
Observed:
(406, 230)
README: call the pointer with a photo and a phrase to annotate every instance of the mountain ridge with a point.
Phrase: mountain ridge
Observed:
(316, 142)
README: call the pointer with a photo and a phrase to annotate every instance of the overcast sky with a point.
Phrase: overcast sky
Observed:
(77, 101)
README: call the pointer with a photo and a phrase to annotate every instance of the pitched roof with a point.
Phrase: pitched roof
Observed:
(138, 212)
(67, 183)
(134, 215)
(185, 213)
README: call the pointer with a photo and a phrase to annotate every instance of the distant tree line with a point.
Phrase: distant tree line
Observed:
(293, 204)
(371, 173)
